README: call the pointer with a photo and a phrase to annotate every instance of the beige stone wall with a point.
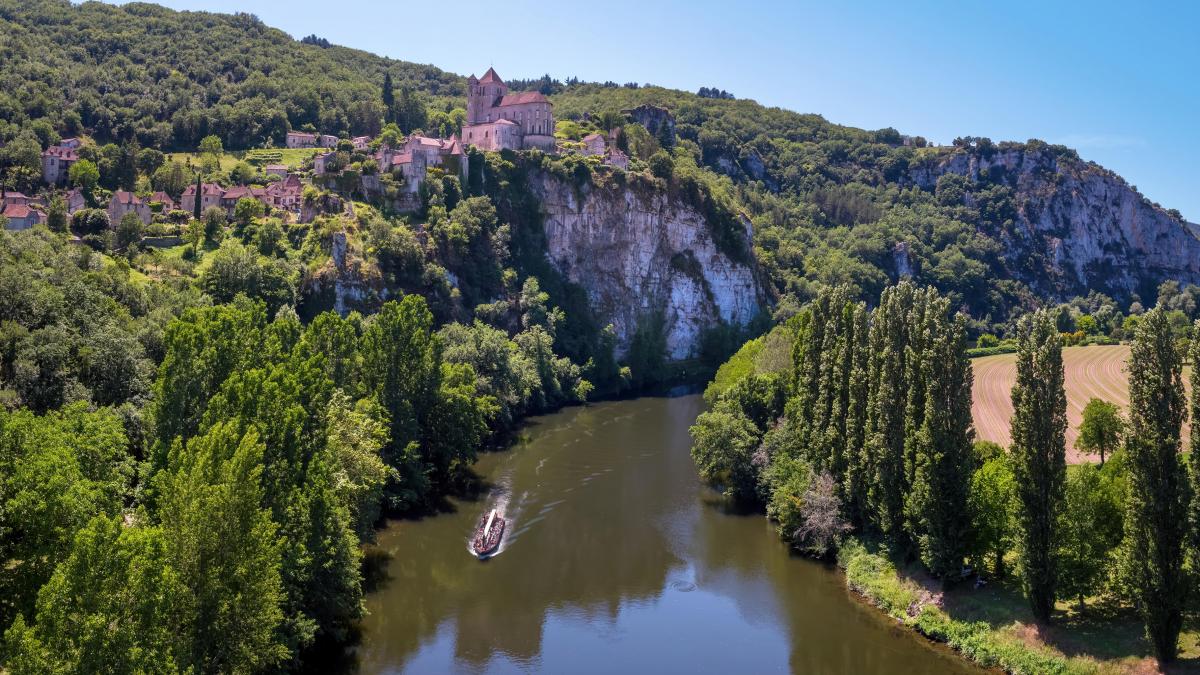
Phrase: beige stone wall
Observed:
(493, 137)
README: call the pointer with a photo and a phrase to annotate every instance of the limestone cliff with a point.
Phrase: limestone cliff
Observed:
(1083, 226)
(638, 253)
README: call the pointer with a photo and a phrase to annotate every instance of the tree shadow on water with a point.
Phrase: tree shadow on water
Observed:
(375, 573)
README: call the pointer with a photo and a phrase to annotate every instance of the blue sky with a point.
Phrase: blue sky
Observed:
(1118, 82)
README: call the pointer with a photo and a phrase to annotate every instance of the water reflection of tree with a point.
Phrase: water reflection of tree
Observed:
(740, 556)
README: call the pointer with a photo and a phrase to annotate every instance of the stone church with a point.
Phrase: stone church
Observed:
(498, 120)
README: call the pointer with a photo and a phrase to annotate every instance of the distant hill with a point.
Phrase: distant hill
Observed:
(998, 226)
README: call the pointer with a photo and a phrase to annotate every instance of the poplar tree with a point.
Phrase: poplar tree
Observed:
(1194, 445)
(1152, 555)
(856, 481)
(388, 98)
(1039, 454)
(924, 320)
(825, 368)
(887, 401)
(938, 509)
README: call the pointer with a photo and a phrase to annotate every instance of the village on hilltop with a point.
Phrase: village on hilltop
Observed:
(496, 120)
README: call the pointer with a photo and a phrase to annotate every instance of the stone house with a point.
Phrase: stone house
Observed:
(21, 217)
(75, 200)
(210, 195)
(594, 144)
(490, 107)
(57, 161)
(280, 170)
(123, 202)
(300, 139)
(614, 157)
(285, 194)
(328, 141)
(13, 198)
(321, 161)
(237, 193)
(418, 153)
(163, 198)
(361, 142)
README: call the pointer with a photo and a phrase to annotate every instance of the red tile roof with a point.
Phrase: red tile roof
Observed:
(123, 197)
(523, 97)
(18, 211)
(490, 77)
(208, 189)
(67, 154)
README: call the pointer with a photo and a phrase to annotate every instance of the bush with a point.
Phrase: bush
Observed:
(661, 165)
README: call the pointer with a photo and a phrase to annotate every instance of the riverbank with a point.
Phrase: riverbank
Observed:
(993, 627)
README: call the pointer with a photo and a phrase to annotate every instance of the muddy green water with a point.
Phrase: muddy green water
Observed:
(616, 560)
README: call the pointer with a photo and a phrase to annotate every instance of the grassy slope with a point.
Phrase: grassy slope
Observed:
(994, 627)
(293, 158)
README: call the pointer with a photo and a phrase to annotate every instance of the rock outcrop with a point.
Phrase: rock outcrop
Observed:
(639, 254)
(345, 283)
(1093, 230)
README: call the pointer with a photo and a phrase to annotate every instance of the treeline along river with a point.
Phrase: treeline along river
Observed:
(617, 559)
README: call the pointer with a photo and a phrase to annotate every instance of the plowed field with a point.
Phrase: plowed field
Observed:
(1087, 372)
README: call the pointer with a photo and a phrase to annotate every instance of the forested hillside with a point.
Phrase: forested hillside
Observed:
(996, 226)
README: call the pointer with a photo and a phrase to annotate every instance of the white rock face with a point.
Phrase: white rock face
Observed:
(1095, 230)
(638, 255)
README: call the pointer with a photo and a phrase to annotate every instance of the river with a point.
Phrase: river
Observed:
(617, 560)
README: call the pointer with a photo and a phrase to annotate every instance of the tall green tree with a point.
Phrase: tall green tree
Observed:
(401, 362)
(938, 506)
(1101, 429)
(1156, 511)
(896, 365)
(57, 472)
(1039, 426)
(829, 364)
(56, 215)
(116, 605)
(1091, 528)
(993, 505)
(1194, 445)
(222, 544)
(723, 446)
(202, 349)
(388, 98)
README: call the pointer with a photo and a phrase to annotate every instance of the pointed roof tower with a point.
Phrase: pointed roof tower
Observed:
(490, 77)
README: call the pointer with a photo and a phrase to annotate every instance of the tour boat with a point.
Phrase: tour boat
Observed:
(487, 537)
